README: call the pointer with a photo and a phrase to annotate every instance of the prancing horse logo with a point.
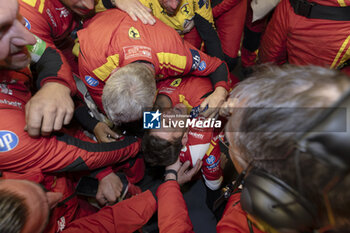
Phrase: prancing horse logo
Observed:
(134, 33)
(185, 10)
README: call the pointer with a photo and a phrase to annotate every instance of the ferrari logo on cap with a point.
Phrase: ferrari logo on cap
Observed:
(134, 33)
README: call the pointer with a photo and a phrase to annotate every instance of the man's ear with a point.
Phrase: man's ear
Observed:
(184, 138)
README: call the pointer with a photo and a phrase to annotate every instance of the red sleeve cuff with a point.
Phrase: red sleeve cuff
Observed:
(224, 84)
(71, 86)
(172, 184)
(102, 174)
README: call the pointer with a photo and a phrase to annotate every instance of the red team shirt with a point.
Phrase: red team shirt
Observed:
(106, 46)
(201, 143)
(302, 41)
(46, 159)
(52, 22)
(173, 215)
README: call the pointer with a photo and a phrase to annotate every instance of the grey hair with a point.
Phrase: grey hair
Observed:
(128, 92)
(278, 103)
(13, 212)
(273, 93)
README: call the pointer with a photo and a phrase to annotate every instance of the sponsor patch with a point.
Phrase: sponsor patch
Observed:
(196, 58)
(210, 160)
(61, 224)
(4, 89)
(202, 66)
(63, 12)
(166, 90)
(137, 51)
(11, 103)
(27, 24)
(214, 166)
(134, 33)
(8, 140)
(196, 111)
(91, 81)
(196, 135)
(48, 12)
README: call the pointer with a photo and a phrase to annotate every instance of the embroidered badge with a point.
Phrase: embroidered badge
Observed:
(8, 140)
(176, 82)
(91, 81)
(134, 33)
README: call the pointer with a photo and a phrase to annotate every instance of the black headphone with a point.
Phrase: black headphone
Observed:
(276, 203)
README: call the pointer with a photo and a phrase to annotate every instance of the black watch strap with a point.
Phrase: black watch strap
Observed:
(170, 171)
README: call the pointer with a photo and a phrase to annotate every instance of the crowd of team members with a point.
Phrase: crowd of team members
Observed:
(107, 61)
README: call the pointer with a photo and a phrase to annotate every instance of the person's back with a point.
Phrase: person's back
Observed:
(181, 90)
(299, 40)
(159, 47)
(121, 43)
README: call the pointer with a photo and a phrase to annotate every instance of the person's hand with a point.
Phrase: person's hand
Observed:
(188, 27)
(214, 101)
(105, 134)
(175, 166)
(109, 189)
(136, 9)
(49, 109)
(227, 107)
(185, 174)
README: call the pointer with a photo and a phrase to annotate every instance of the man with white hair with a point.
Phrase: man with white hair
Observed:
(130, 89)
(106, 47)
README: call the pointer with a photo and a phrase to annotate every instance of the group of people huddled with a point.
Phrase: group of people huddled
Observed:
(97, 95)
